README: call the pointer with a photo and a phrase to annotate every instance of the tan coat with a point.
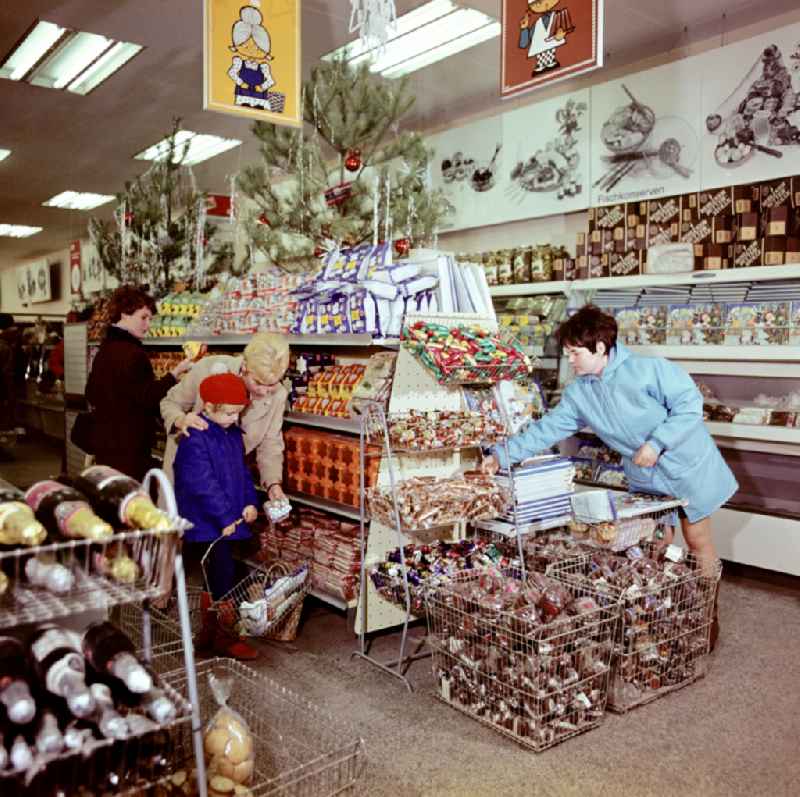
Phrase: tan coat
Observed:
(261, 422)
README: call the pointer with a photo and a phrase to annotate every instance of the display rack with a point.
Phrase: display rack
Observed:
(153, 552)
(414, 388)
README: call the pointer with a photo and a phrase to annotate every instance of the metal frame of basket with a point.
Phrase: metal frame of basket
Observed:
(664, 632)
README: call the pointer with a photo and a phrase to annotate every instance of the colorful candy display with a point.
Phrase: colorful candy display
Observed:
(465, 354)
(424, 431)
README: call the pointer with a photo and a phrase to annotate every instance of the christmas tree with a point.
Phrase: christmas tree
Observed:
(352, 178)
(158, 236)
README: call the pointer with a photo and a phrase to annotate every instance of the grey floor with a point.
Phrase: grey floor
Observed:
(736, 732)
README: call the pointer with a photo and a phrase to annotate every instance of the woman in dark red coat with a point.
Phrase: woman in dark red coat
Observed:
(122, 388)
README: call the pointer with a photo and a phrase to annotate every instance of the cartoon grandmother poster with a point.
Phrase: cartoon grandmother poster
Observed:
(252, 59)
(549, 40)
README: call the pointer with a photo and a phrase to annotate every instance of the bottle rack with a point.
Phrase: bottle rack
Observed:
(77, 771)
(414, 388)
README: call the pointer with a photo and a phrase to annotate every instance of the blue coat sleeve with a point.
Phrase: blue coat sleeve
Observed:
(250, 494)
(676, 390)
(540, 435)
(195, 481)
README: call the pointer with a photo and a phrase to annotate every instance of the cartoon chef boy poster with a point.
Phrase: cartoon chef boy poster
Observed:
(549, 40)
(252, 59)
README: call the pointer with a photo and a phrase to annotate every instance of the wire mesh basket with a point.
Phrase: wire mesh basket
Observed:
(267, 602)
(536, 683)
(300, 750)
(664, 635)
(130, 766)
(129, 567)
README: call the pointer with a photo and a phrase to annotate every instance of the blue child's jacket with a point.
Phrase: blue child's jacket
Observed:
(212, 482)
(639, 400)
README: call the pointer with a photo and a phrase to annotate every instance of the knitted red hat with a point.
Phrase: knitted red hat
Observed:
(224, 389)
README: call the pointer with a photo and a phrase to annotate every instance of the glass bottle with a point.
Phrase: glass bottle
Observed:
(15, 686)
(119, 498)
(109, 651)
(65, 512)
(18, 526)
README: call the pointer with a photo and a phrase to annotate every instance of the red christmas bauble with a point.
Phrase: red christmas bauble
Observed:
(402, 246)
(262, 219)
(353, 160)
(129, 217)
(318, 251)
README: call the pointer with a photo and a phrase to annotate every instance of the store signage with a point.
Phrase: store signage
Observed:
(33, 282)
(545, 41)
(75, 277)
(218, 205)
(252, 59)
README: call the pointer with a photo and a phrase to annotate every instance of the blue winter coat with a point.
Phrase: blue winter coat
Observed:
(639, 400)
(213, 483)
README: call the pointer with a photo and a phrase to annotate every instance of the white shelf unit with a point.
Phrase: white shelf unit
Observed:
(323, 504)
(736, 354)
(294, 340)
(347, 425)
(773, 434)
(752, 274)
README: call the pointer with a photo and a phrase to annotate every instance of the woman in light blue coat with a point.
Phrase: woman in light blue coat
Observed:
(646, 408)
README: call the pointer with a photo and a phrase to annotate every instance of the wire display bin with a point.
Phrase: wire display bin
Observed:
(300, 751)
(665, 602)
(496, 659)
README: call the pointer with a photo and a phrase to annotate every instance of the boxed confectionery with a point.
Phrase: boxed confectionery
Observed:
(717, 256)
(597, 266)
(325, 465)
(746, 199)
(696, 324)
(625, 263)
(757, 324)
(746, 255)
(748, 228)
(643, 326)
(663, 220)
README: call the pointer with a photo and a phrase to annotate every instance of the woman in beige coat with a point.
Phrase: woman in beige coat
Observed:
(262, 366)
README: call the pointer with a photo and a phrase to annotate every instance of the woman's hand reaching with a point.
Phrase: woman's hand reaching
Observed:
(490, 465)
(645, 457)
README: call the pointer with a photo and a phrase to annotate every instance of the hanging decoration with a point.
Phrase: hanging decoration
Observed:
(402, 246)
(373, 20)
(353, 160)
(245, 75)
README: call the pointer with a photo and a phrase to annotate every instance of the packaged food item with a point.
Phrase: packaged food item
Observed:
(227, 740)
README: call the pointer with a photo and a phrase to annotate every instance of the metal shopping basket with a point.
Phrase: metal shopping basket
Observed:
(266, 603)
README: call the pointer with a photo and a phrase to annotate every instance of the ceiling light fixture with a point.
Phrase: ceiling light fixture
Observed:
(105, 66)
(77, 200)
(69, 59)
(33, 47)
(430, 33)
(17, 231)
(56, 58)
(4, 153)
(197, 147)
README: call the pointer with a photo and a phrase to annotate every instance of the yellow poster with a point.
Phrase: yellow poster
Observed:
(252, 59)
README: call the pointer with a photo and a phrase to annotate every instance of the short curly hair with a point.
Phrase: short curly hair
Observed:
(267, 356)
(126, 300)
(587, 328)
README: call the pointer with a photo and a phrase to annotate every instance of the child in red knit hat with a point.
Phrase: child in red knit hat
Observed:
(215, 491)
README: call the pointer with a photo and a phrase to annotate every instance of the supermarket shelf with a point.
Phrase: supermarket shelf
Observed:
(530, 288)
(325, 505)
(737, 353)
(779, 370)
(294, 340)
(753, 274)
(349, 425)
(332, 600)
(775, 434)
(505, 529)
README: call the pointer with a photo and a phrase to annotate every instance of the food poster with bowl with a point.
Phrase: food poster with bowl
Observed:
(546, 163)
(469, 165)
(645, 136)
(751, 109)
(545, 41)
(252, 59)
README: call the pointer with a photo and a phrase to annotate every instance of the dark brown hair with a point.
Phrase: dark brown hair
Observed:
(128, 300)
(587, 327)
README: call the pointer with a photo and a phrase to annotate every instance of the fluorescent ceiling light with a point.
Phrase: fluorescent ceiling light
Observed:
(197, 147)
(77, 200)
(105, 66)
(4, 153)
(31, 50)
(17, 230)
(56, 58)
(69, 60)
(427, 34)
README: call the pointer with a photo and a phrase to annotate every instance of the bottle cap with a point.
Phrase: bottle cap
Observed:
(81, 703)
(112, 725)
(162, 709)
(20, 706)
(131, 673)
(20, 755)
(141, 513)
(123, 569)
(59, 580)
